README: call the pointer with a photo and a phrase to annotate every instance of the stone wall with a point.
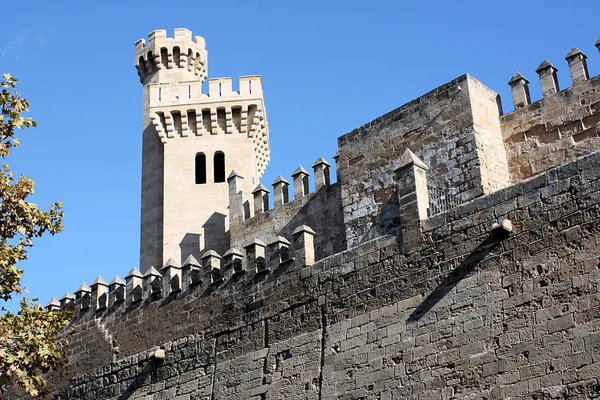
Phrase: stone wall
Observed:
(487, 108)
(452, 129)
(321, 210)
(555, 129)
(472, 314)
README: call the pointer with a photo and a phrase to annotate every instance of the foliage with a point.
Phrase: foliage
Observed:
(29, 346)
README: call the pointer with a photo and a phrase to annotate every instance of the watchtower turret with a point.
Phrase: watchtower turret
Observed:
(177, 59)
(191, 142)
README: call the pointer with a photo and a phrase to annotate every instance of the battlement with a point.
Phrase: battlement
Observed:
(177, 53)
(250, 87)
(548, 78)
(234, 268)
(220, 90)
(561, 125)
(301, 188)
(250, 211)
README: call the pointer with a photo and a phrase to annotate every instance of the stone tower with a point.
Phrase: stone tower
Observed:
(191, 143)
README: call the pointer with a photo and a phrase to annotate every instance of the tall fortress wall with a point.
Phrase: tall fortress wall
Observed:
(456, 256)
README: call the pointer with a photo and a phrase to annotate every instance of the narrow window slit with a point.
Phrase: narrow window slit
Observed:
(206, 121)
(221, 119)
(192, 123)
(219, 166)
(164, 57)
(200, 168)
(176, 56)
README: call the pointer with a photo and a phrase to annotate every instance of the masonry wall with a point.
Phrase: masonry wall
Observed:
(450, 128)
(152, 216)
(555, 129)
(321, 210)
(196, 214)
(491, 152)
(470, 315)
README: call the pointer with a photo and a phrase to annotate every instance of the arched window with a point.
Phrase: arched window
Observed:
(190, 60)
(219, 165)
(142, 67)
(200, 168)
(176, 56)
(151, 63)
(164, 57)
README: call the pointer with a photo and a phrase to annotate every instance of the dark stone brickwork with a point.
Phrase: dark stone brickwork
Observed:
(472, 314)
(321, 210)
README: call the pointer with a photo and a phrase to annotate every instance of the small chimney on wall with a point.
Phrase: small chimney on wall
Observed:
(300, 176)
(548, 78)
(281, 191)
(577, 65)
(519, 87)
(321, 169)
(261, 199)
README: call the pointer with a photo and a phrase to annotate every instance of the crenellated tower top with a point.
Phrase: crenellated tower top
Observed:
(179, 56)
(173, 70)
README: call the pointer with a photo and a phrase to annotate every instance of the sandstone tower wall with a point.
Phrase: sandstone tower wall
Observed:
(184, 211)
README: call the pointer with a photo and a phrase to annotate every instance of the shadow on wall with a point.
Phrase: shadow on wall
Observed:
(151, 250)
(246, 206)
(215, 238)
(461, 272)
(190, 244)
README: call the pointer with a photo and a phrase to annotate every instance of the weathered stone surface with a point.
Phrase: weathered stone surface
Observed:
(543, 135)
(496, 296)
(463, 317)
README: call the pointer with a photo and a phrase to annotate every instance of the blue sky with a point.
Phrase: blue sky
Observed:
(327, 67)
